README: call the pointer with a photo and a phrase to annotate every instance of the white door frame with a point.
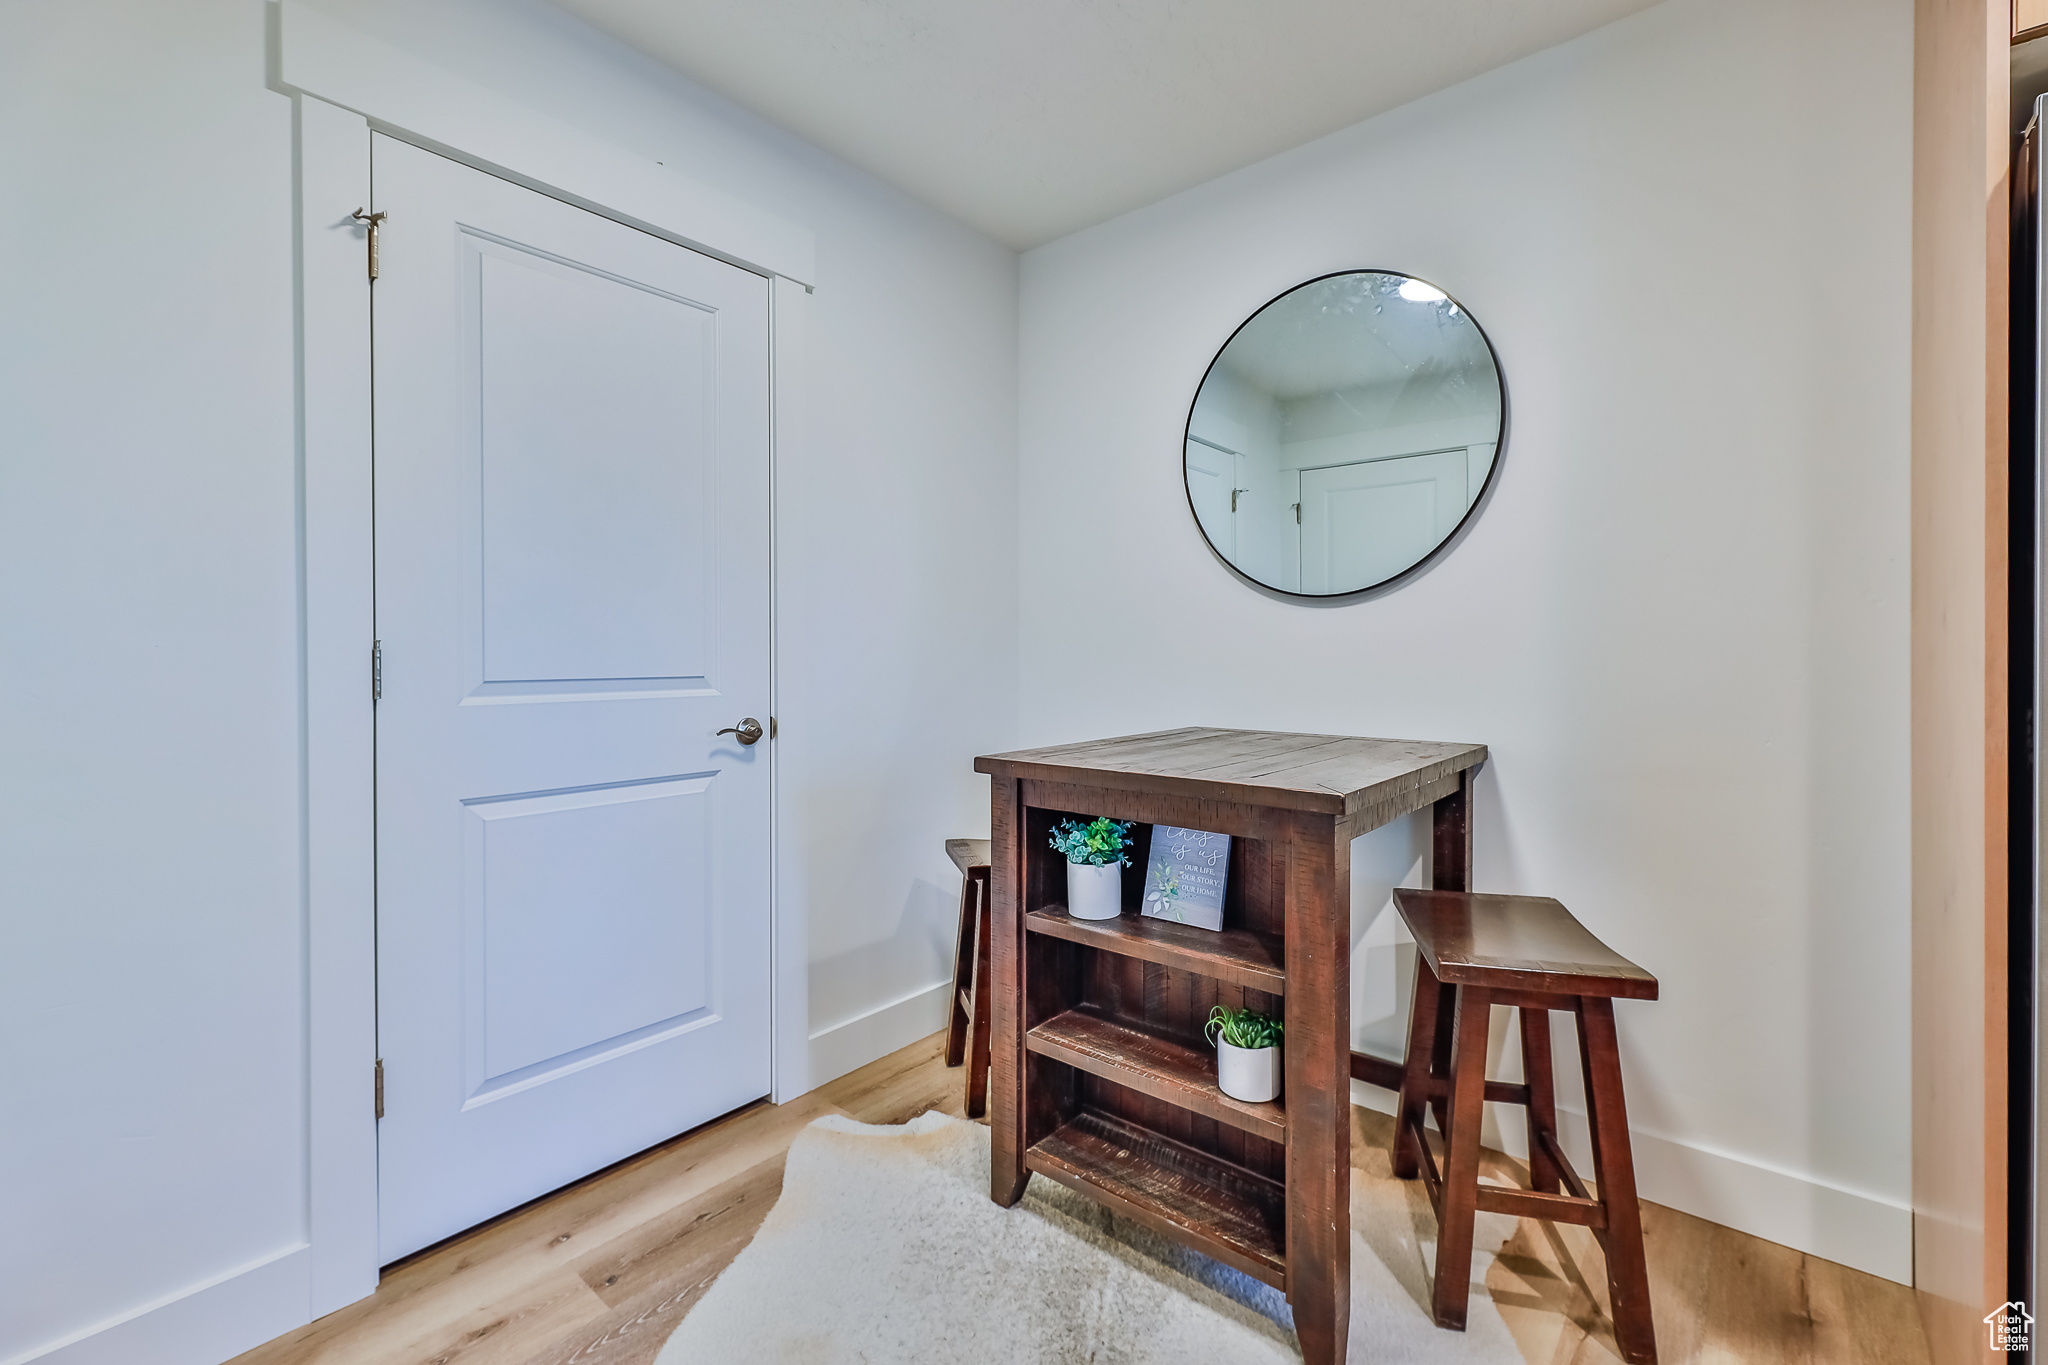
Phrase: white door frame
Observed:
(343, 86)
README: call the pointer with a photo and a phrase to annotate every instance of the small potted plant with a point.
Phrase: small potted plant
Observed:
(1097, 851)
(1247, 1053)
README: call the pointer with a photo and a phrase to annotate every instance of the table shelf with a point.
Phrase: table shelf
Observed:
(1242, 957)
(1222, 1211)
(1161, 1068)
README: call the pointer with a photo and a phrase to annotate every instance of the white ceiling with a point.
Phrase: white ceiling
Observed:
(1030, 119)
(1354, 331)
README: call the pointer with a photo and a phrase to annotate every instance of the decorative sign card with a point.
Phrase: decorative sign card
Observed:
(1184, 878)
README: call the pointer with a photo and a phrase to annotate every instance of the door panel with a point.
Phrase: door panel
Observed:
(572, 596)
(595, 565)
(1363, 523)
(1211, 475)
(590, 919)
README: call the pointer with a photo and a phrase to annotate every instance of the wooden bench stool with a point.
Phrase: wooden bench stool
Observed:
(1526, 952)
(971, 981)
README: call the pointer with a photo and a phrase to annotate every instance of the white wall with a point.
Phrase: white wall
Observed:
(1680, 620)
(150, 983)
(152, 1006)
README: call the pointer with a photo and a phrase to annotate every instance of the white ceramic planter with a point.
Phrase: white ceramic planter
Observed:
(1248, 1073)
(1095, 892)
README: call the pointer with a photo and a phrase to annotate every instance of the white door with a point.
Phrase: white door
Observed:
(1363, 523)
(1212, 477)
(572, 596)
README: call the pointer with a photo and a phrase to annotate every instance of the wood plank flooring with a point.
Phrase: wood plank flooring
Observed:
(600, 1273)
(1719, 1296)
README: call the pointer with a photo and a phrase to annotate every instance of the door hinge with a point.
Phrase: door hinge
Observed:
(373, 221)
(380, 1087)
(376, 670)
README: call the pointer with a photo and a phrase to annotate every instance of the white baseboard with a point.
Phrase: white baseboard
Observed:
(853, 1043)
(1862, 1231)
(203, 1325)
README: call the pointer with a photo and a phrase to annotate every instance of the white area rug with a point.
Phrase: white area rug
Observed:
(885, 1248)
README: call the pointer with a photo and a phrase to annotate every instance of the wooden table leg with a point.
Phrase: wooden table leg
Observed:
(1614, 1175)
(1450, 869)
(1007, 1176)
(1460, 1201)
(1317, 1086)
(1450, 862)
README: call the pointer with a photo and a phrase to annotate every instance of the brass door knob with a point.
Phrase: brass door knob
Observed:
(748, 731)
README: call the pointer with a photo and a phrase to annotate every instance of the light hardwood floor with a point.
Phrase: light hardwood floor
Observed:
(599, 1273)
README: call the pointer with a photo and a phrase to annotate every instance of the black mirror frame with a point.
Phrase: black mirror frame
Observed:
(1456, 533)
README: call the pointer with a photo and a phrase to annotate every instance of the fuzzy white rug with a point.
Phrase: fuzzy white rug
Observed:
(885, 1248)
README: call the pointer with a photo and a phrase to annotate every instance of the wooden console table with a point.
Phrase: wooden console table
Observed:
(1100, 1077)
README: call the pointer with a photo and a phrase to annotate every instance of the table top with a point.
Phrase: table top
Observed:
(1335, 774)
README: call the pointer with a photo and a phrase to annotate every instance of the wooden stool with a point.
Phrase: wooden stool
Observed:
(970, 971)
(1526, 952)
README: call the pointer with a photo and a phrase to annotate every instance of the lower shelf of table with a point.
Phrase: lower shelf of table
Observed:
(1222, 1211)
(1152, 1065)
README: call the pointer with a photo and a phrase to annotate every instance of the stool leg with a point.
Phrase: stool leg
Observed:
(1440, 1055)
(977, 1047)
(1628, 1280)
(1460, 1200)
(963, 968)
(1536, 1073)
(1416, 1068)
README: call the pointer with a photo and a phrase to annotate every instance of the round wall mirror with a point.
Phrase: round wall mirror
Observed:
(1344, 433)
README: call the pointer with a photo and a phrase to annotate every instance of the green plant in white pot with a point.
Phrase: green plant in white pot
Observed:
(1097, 851)
(1247, 1053)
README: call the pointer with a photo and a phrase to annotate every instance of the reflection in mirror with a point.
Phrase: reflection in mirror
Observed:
(1344, 433)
